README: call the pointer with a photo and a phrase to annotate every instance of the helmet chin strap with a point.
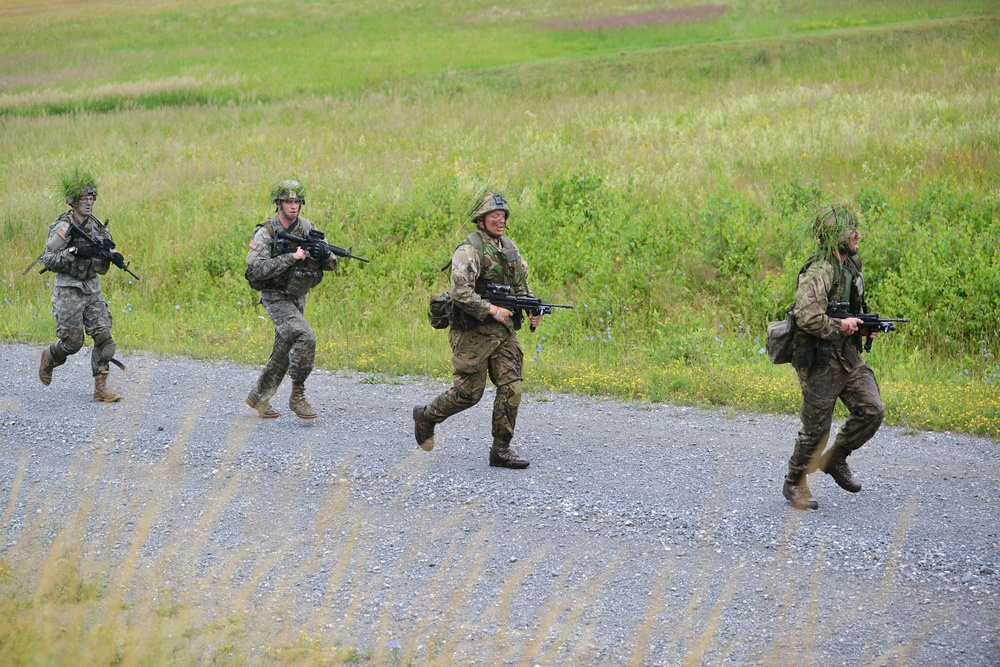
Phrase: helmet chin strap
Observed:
(482, 226)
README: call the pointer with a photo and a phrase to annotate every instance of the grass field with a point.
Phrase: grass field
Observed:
(660, 177)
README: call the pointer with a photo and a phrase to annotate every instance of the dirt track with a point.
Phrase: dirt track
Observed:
(641, 534)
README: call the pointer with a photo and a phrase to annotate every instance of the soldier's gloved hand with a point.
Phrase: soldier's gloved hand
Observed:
(317, 250)
(87, 251)
(116, 258)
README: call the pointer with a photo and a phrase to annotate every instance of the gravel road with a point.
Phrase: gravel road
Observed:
(642, 534)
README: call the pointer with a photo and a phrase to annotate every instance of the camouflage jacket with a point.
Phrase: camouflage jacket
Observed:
(821, 282)
(473, 268)
(59, 258)
(280, 271)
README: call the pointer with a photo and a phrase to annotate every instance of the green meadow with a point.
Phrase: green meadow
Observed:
(662, 177)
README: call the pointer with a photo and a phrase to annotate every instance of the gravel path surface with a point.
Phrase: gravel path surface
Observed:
(642, 534)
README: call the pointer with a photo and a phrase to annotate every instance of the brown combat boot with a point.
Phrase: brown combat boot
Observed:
(45, 368)
(101, 391)
(423, 428)
(298, 403)
(797, 492)
(262, 407)
(837, 468)
(502, 456)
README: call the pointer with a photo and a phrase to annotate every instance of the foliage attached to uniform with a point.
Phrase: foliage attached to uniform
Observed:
(833, 226)
(73, 181)
(483, 202)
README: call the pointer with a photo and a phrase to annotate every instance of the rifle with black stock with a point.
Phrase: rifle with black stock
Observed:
(870, 322)
(105, 250)
(499, 295)
(315, 239)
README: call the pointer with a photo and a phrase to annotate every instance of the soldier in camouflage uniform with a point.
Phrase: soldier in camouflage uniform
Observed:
(482, 336)
(827, 359)
(77, 302)
(284, 275)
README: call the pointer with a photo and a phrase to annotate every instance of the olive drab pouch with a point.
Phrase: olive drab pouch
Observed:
(439, 312)
(780, 339)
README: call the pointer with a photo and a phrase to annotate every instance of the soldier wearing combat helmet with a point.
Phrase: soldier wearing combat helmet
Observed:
(77, 302)
(827, 358)
(284, 275)
(482, 336)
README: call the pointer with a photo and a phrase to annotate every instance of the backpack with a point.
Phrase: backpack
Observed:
(780, 338)
(439, 311)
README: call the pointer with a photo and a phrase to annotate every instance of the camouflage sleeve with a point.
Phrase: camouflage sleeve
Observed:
(811, 301)
(464, 272)
(260, 265)
(330, 263)
(57, 256)
(523, 288)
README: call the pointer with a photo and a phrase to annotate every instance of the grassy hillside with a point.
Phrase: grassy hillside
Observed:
(661, 176)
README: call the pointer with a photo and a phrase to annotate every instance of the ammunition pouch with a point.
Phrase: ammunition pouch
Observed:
(810, 352)
(439, 312)
(462, 320)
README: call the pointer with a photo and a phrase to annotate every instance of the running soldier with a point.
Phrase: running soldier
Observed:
(284, 273)
(827, 359)
(77, 302)
(482, 336)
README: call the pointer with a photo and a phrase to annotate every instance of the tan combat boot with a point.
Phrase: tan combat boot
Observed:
(837, 468)
(502, 456)
(423, 428)
(45, 368)
(262, 406)
(797, 492)
(298, 403)
(101, 391)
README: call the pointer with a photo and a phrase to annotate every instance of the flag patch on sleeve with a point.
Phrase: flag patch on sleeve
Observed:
(253, 244)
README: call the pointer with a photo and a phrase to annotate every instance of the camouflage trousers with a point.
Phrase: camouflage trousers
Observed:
(76, 313)
(488, 349)
(821, 387)
(294, 350)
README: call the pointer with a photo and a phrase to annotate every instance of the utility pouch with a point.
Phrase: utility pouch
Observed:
(780, 338)
(439, 312)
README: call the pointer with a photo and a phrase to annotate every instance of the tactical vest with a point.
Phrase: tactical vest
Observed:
(848, 285)
(87, 269)
(499, 266)
(301, 276)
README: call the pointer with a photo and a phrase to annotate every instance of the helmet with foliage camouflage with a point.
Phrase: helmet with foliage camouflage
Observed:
(486, 202)
(834, 225)
(76, 182)
(288, 190)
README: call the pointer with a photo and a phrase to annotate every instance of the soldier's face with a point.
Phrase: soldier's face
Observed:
(84, 205)
(852, 242)
(291, 209)
(495, 222)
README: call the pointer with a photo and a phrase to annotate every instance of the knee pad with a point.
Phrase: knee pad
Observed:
(104, 350)
(73, 344)
(513, 393)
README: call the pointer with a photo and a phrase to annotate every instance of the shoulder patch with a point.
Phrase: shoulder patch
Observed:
(253, 244)
(62, 233)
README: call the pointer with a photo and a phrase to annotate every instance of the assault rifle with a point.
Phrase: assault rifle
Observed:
(499, 295)
(316, 240)
(870, 322)
(105, 250)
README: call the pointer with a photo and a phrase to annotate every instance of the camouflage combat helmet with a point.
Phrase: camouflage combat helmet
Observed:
(834, 225)
(486, 202)
(76, 182)
(288, 190)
